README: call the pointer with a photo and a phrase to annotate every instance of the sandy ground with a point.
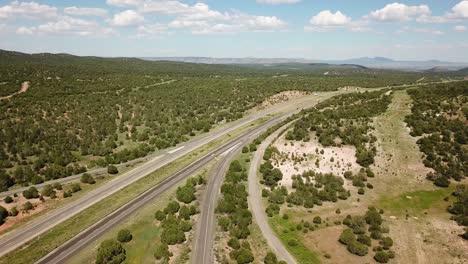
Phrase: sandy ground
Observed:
(343, 158)
(325, 241)
(18, 203)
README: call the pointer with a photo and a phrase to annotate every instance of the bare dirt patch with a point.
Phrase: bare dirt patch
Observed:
(298, 157)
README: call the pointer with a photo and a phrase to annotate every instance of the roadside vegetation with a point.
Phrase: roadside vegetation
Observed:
(235, 219)
(84, 112)
(439, 117)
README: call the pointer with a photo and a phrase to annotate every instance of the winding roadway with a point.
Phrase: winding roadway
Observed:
(255, 201)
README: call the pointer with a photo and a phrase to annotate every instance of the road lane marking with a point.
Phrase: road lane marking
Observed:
(175, 150)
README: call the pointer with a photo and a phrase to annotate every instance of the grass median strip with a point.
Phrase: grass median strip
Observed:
(39, 247)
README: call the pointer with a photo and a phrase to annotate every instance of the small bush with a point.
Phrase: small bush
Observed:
(111, 169)
(8, 199)
(87, 178)
(124, 235)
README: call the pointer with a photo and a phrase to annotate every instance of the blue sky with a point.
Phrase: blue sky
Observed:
(314, 29)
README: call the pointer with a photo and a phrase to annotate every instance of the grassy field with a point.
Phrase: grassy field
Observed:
(39, 247)
(145, 230)
(416, 202)
(286, 231)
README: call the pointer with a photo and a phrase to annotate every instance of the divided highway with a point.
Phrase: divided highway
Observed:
(64, 252)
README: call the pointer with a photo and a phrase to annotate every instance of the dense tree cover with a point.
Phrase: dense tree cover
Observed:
(357, 240)
(439, 117)
(235, 216)
(110, 252)
(109, 111)
(175, 220)
(459, 209)
(344, 120)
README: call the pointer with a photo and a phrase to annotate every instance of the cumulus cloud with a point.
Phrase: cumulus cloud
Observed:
(278, 2)
(85, 11)
(328, 19)
(399, 12)
(459, 28)
(29, 10)
(127, 18)
(68, 26)
(460, 10)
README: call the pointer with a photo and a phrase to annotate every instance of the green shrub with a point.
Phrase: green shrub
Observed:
(381, 257)
(8, 199)
(87, 178)
(124, 235)
(110, 252)
(111, 169)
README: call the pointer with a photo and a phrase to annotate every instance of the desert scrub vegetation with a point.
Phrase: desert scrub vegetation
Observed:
(459, 209)
(344, 120)
(367, 231)
(309, 189)
(234, 216)
(439, 118)
(177, 219)
(81, 112)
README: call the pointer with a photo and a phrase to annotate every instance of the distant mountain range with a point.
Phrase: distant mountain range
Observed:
(376, 62)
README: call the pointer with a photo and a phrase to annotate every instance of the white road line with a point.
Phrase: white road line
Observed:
(175, 150)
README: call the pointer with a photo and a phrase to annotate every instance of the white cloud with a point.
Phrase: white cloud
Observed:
(127, 18)
(278, 2)
(459, 28)
(24, 31)
(30, 10)
(123, 3)
(399, 12)
(84, 11)
(66, 25)
(188, 24)
(328, 19)
(421, 30)
(460, 10)
(145, 31)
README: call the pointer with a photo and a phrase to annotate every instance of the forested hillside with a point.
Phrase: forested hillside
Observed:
(81, 112)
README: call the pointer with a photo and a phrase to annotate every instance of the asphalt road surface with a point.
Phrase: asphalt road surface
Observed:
(182, 148)
(42, 224)
(255, 202)
(64, 252)
(203, 243)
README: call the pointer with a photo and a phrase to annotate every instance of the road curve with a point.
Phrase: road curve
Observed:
(206, 224)
(42, 224)
(65, 251)
(255, 201)
(184, 147)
